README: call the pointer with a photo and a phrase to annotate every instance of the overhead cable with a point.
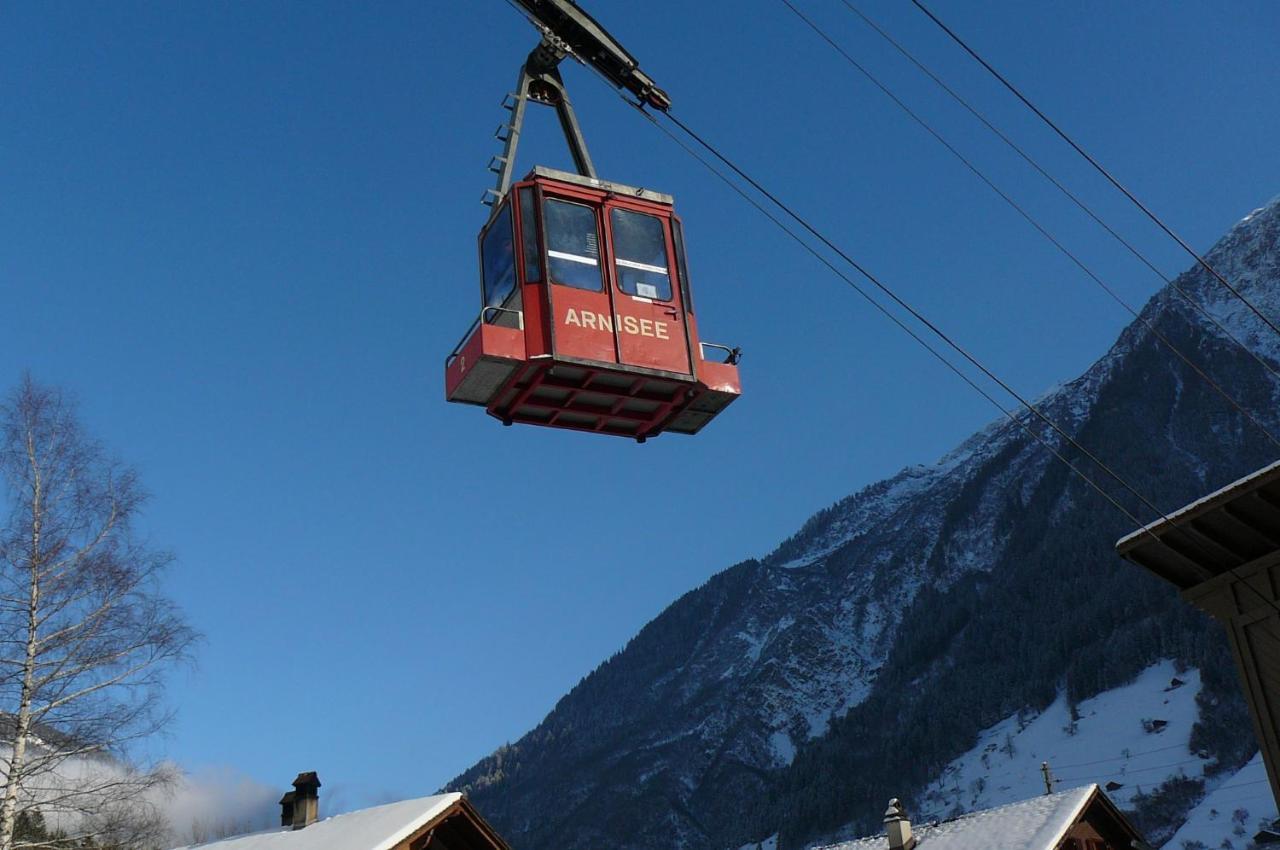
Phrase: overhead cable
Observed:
(937, 331)
(1075, 199)
(1041, 229)
(1120, 758)
(896, 320)
(964, 353)
(1097, 166)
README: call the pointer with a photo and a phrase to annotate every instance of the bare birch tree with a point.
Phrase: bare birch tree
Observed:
(86, 636)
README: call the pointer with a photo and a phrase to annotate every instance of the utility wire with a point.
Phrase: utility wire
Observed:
(1120, 758)
(1085, 208)
(1103, 285)
(1096, 165)
(1124, 773)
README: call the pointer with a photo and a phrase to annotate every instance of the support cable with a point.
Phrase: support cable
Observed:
(1102, 284)
(921, 318)
(1085, 208)
(1097, 166)
(883, 310)
(1143, 528)
(959, 349)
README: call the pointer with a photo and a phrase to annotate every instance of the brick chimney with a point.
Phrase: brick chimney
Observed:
(898, 826)
(300, 807)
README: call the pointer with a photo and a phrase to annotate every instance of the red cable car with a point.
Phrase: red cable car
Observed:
(589, 324)
(586, 320)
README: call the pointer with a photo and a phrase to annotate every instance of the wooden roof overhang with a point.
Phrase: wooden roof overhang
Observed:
(1224, 531)
(459, 827)
(1107, 820)
(1223, 553)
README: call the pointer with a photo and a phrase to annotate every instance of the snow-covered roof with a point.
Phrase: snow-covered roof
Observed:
(1036, 824)
(377, 828)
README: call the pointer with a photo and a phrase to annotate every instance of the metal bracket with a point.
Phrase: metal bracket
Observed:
(539, 82)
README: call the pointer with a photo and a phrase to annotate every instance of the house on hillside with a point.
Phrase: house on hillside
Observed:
(441, 822)
(1079, 819)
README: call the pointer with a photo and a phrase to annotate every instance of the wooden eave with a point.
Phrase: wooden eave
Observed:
(1113, 826)
(459, 827)
(1233, 527)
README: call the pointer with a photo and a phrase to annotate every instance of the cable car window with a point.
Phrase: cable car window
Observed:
(640, 249)
(529, 236)
(677, 231)
(573, 248)
(498, 261)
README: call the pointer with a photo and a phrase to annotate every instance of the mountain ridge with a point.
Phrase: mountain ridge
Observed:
(743, 708)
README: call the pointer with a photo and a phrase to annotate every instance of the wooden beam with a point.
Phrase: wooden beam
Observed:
(1201, 527)
(1234, 514)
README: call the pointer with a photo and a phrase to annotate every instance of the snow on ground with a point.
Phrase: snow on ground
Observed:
(1235, 809)
(770, 843)
(1118, 737)
(783, 748)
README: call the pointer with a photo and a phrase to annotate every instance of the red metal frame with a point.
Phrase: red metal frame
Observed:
(601, 361)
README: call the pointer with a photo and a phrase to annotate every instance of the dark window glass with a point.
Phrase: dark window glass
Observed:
(640, 249)
(573, 249)
(498, 261)
(677, 231)
(529, 236)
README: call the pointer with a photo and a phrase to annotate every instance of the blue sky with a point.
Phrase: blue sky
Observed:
(243, 236)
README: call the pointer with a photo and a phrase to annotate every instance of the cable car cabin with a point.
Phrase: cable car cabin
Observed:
(586, 320)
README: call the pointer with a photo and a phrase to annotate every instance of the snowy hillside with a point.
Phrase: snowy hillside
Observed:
(794, 694)
(1125, 740)
(1238, 805)
(1129, 740)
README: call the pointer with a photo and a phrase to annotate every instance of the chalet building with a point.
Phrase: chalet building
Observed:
(441, 822)
(1223, 553)
(1079, 819)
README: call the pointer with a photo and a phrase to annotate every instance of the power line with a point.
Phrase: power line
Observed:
(1096, 165)
(1124, 773)
(1085, 208)
(1120, 758)
(1109, 290)
(1238, 785)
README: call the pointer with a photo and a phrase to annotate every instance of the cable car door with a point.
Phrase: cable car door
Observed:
(581, 310)
(649, 318)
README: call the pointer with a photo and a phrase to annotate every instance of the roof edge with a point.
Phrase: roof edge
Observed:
(1200, 506)
(427, 820)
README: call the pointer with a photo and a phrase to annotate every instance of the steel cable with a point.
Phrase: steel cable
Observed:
(1081, 205)
(1043, 231)
(1097, 166)
(933, 328)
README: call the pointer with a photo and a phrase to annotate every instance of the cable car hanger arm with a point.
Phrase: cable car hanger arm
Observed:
(566, 31)
(579, 35)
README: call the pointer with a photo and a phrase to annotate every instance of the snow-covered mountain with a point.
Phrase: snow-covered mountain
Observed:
(872, 654)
